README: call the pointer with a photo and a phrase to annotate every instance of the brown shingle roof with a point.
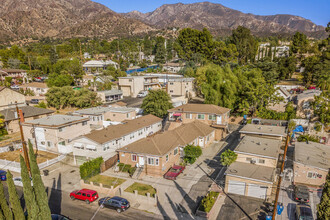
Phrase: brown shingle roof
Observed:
(200, 108)
(160, 144)
(117, 131)
(35, 85)
(28, 111)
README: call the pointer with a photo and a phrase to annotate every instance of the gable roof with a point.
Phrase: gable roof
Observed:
(312, 154)
(28, 111)
(118, 131)
(35, 85)
(259, 146)
(162, 143)
(278, 131)
(200, 108)
(100, 110)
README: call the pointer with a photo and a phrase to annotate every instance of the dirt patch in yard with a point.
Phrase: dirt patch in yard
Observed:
(107, 180)
(42, 156)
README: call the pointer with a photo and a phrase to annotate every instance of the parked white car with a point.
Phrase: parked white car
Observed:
(142, 94)
(18, 181)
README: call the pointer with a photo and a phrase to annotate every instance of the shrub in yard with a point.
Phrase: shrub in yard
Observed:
(131, 171)
(306, 137)
(90, 168)
(191, 153)
(228, 157)
(126, 168)
(208, 201)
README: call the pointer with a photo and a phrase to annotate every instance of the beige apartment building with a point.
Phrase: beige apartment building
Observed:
(311, 163)
(99, 114)
(181, 87)
(9, 97)
(38, 88)
(29, 113)
(253, 173)
(112, 95)
(266, 131)
(157, 154)
(213, 115)
(132, 85)
(54, 133)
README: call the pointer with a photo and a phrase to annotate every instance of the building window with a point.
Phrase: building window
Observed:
(188, 116)
(150, 161)
(131, 136)
(140, 132)
(166, 157)
(134, 157)
(129, 80)
(156, 161)
(127, 115)
(114, 114)
(201, 116)
(84, 123)
(49, 144)
(171, 91)
(312, 175)
(248, 159)
(212, 117)
(175, 151)
(261, 161)
(61, 129)
(171, 83)
(104, 148)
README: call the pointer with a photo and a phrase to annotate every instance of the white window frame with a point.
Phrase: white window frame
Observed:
(151, 159)
(135, 157)
(264, 161)
(188, 114)
(212, 117)
(176, 150)
(156, 161)
(167, 157)
(313, 175)
(201, 115)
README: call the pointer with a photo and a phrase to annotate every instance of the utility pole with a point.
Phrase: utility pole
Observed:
(280, 177)
(20, 121)
(35, 138)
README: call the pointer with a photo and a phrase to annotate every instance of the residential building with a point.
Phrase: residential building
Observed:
(54, 133)
(158, 153)
(39, 89)
(173, 67)
(282, 92)
(164, 77)
(29, 113)
(99, 114)
(213, 115)
(105, 142)
(110, 95)
(15, 74)
(253, 172)
(311, 163)
(266, 131)
(132, 85)
(9, 98)
(181, 87)
(304, 102)
(97, 66)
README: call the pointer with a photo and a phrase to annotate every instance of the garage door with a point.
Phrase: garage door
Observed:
(236, 187)
(257, 191)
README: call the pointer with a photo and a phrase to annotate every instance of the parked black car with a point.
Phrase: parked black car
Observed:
(301, 193)
(34, 101)
(304, 212)
(59, 217)
(117, 203)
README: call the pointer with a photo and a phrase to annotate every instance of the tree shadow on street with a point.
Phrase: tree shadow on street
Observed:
(55, 198)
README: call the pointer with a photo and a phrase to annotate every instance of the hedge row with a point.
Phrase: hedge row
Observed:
(126, 168)
(208, 201)
(91, 168)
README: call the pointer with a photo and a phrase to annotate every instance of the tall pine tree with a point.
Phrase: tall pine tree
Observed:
(29, 196)
(15, 203)
(323, 209)
(39, 188)
(4, 205)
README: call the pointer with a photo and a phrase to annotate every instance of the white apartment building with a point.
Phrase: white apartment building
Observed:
(105, 142)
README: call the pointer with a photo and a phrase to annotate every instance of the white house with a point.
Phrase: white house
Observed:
(105, 142)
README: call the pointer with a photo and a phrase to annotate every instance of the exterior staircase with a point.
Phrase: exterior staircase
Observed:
(138, 172)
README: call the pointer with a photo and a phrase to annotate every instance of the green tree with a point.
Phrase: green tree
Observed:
(59, 97)
(4, 205)
(15, 203)
(191, 153)
(286, 67)
(157, 103)
(2, 125)
(245, 43)
(323, 208)
(41, 104)
(299, 43)
(228, 157)
(39, 188)
(85, 98)
(59, 80)
(160, 51)
(29, 196)
(321, 107)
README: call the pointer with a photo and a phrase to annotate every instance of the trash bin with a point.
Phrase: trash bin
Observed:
(3, 175)
(46, 172)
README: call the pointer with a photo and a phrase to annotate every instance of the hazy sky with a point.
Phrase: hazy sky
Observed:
(317, 11)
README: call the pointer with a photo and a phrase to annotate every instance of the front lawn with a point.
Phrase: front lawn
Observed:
(142, 189)
(107, 181)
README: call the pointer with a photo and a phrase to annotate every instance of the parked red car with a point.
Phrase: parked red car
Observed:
(174, 172)
(85, 194)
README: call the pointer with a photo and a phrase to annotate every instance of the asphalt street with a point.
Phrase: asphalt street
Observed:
(60, 203)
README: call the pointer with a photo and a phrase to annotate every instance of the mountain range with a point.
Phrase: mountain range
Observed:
(85, 18)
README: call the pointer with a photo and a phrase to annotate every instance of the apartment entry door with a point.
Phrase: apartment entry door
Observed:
(141, 161)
